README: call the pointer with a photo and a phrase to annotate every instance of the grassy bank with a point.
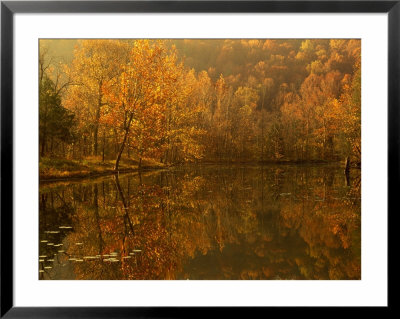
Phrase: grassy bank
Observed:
(62, 169)
(55, 168)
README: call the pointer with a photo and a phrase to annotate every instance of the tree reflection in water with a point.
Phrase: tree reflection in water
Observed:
(209, 222)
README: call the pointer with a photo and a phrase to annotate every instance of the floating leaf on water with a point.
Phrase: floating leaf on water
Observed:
(41, 260)
(58, 245)
(132, 254)
(72, 259)
(41, 270)
(44, 241)
(42, 256)
(285, 194)
(50, 259)
(79, 260)
(78, 243)
(89, 257)
(48, 267)
(137, 250)
(113, 260)
(61, 251)
(50, 244)
(126, 257)
(65, 227)
(52, 231)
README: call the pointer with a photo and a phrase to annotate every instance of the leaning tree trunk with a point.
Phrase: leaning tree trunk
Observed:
(127, 127)
(347, 165)
(347, 170)
(121, 150)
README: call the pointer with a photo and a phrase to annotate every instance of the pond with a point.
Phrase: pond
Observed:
(210, 222)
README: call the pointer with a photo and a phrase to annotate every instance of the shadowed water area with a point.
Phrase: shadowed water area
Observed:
(204, 222)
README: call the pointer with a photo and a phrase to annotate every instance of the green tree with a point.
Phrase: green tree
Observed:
(55, 122)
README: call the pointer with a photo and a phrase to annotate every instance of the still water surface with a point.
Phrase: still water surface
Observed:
(208, 222)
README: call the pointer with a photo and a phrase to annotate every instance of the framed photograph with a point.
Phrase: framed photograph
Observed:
(158, 156)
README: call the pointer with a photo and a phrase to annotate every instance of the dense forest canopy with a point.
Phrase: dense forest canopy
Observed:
(174, 101)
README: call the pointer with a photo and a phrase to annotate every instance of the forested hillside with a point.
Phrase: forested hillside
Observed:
(175, 101)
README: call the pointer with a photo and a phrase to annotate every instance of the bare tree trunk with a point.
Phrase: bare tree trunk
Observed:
(140, 163)
(51, 146)
(127, 127)
(347, 170)
(96, 124)
(104, 142)
(347, 165)
(121, 149)
(43, 146)
(95, 143)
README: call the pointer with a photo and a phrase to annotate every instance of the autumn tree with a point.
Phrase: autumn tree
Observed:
(95, 63)
(185, 118)
(351, 115)
(144, 83)
(243, 122)
(212, 100)
(221, 125)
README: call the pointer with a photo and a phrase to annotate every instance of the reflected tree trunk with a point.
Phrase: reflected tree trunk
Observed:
(127, 219)
(347, 170)
(96, 213)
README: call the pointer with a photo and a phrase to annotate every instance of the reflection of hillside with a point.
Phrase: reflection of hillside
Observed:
(214, 223)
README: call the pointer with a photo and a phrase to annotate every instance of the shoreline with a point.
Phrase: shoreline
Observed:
(80, 176)
(97, 169)
(53, 169)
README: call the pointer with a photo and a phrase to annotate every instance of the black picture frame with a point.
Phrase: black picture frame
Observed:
(9, 8)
